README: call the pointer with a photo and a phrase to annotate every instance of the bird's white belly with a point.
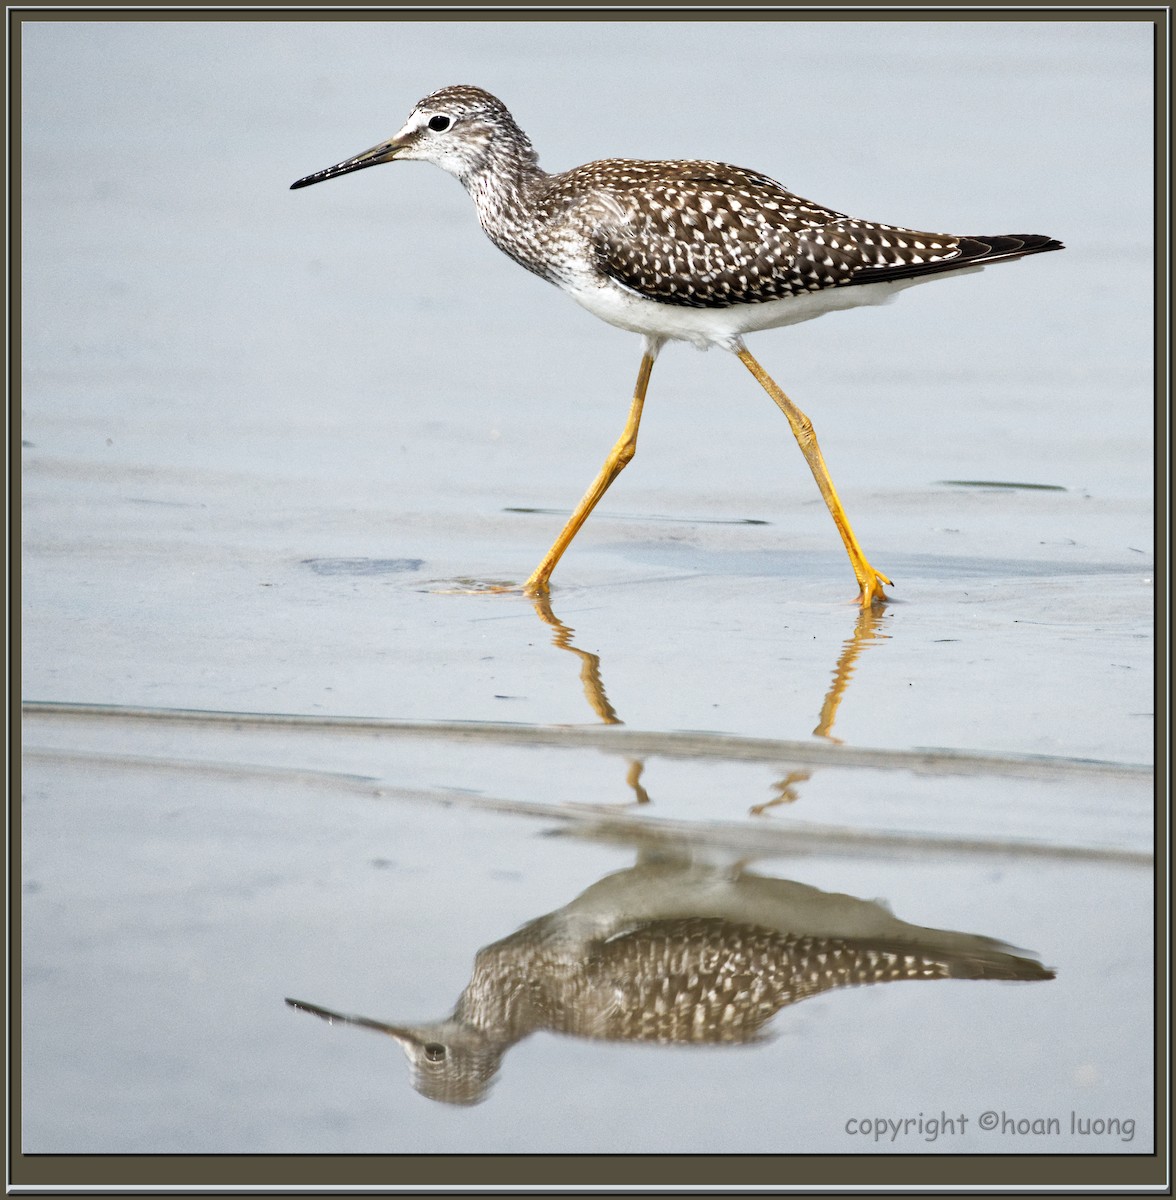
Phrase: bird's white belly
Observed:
(705, 327)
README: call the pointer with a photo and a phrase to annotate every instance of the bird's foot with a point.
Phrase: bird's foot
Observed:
(871, 584)
(537, 587)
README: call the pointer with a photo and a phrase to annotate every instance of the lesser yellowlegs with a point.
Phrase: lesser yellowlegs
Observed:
(674, 952)
(694, 251)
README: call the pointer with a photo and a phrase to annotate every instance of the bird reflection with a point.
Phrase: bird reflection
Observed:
(675, 952)
(867, 629)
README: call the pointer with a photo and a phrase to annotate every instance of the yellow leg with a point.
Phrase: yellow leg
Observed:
(619, 457)
(869, 580)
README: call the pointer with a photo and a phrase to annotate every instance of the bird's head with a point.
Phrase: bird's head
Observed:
(455, 128)
(450, 1060)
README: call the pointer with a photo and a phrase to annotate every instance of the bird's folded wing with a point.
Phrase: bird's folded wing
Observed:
(709, 235)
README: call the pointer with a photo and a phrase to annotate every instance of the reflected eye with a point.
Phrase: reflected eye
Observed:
(434, 1051)
(439, 124)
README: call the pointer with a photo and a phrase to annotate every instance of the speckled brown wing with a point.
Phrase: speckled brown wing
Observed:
(705, 979)
(711, 235)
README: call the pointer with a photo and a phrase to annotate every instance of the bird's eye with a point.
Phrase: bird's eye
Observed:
(434, 1051)
(439, 124)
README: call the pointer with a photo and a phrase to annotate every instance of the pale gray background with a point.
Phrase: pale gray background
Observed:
(223, 379)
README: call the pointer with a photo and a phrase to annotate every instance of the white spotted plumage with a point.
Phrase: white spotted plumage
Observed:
(694, 250)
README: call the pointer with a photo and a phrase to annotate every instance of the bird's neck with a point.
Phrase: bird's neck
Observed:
(504, 184)
(510, 993)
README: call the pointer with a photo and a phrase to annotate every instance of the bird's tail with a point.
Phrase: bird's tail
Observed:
(973, 251)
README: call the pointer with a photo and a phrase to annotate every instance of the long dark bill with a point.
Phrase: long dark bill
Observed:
(384, 152)
(345, 1019)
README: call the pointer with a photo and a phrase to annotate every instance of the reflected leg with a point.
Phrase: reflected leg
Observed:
(865, 631)
(590, 663)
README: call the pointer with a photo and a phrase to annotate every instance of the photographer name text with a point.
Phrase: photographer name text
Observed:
(996, 1122)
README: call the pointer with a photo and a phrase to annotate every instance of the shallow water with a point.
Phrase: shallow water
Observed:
(335, 869)
(270, 437)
